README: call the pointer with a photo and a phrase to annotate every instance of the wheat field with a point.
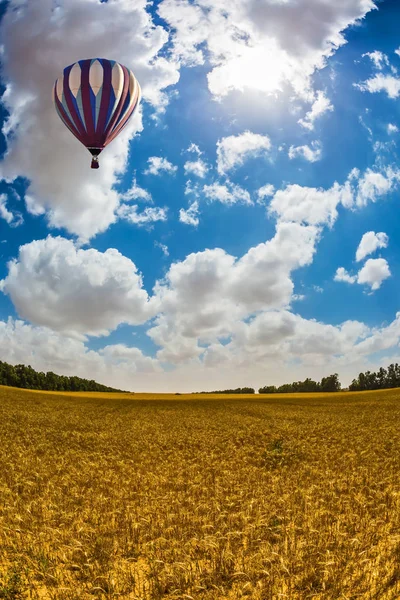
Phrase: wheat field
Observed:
(145, 497)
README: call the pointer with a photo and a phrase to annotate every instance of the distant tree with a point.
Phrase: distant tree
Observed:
(330, 383)
(383, 378)
(26, 377)
(245, 390)
(327, 384)
(268, 389)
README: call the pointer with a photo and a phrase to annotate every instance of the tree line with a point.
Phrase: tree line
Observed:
(26, 377)
(244, 390)
(327, 384)
(384, 378)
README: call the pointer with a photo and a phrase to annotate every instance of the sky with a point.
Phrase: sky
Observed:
(243, 228)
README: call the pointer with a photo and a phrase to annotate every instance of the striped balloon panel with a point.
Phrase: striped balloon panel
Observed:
(95, 98)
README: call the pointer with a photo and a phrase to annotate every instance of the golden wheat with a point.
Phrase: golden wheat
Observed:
(145, 497)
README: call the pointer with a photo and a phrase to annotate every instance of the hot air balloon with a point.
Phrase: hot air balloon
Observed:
(95, 99)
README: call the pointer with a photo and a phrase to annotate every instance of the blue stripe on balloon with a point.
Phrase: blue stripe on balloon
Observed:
(123, 111)
(78, 109)
(93, 106)
(111, 105)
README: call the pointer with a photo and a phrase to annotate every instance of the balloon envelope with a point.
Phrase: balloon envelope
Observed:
(95, 98)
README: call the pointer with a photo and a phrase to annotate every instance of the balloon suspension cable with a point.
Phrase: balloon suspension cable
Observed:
(95, 163)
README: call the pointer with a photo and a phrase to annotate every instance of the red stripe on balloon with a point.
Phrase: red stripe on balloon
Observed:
(123, 122)
(125, 117)
(87, 107)
(120, 106)
(104, 104)
(65, 118)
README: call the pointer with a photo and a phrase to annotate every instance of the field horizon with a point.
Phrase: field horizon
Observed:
(198, 395)
(148, 496)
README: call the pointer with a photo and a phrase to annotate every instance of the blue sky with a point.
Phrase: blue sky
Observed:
(216, 245)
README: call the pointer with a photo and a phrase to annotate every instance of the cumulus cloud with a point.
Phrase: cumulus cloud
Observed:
(378, 58)
(40, 147)
(128, 357)
(259, 45)
(47, 350)
(260, 350)
(191, 215)
(159, 164)
(374, 272)
(136, 192)
(234, 150)
(317, 206)
(381, 83)
(370, 242)
(134, 215)
(11, 217)
(230, 193)
(314, 206)
(320, 106)
(203, 297)
(196, 167)
(83, 292)
(266, 191)
(343, 275)
(195, 149)
(311, 153)
(391, 128)
(374, 184)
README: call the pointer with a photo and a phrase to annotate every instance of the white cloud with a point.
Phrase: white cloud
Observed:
(163, 248)
(196, 167)
(370, 242)
(260, 351)
(55, 285)
(320, 106)
(191, 215)
(159, 164)
(226, 194)
(133, 214)
(317, 206)
(234, 150)
(40, 147)
(127, 357)
(381, 83)
(33, 206)
(391, 128)
(136, 192)
(12, 218)
(310, 205)
(343, 275)
(204, 297)
(46, 350)
(374, 184)
(311, 153)
(374, 272)
(266, 191)
(259, 45)
(195, 149)
(378, 58)
(220, 320)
